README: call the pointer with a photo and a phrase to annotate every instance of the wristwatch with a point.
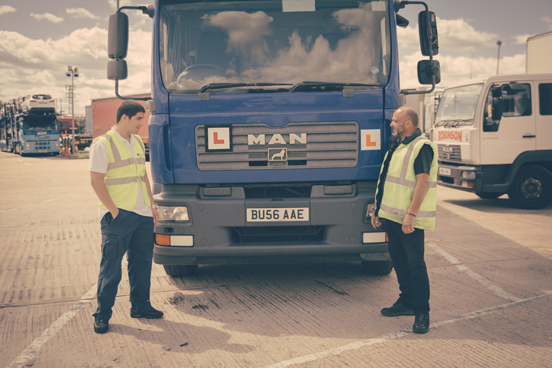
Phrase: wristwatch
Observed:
(154, 206)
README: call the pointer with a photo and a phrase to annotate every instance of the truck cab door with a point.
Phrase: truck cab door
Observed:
(544, 114)
(502, 140)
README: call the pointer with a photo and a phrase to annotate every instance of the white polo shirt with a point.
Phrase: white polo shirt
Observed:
(99, 161)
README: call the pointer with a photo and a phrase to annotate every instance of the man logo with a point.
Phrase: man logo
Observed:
(276, 154)
(260, 140)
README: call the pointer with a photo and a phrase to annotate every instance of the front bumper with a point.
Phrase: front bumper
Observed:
(219, 233)
(468, 178)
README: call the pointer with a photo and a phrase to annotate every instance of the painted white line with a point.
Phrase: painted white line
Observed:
(498, 291)
(30, 352)
(396, 335)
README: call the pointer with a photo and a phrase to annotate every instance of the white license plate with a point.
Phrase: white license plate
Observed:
(444, 171)
(42, 151)
(277, 214)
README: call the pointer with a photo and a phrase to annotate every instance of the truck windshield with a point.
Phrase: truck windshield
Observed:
(457, 106)
(39, 124)
(256, 47)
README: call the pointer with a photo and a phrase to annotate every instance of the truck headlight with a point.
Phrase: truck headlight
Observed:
(468, 175)
(27, 145)
(177, 214)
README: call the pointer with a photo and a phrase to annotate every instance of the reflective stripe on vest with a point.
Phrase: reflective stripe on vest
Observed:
(400, 183)
(125, 175)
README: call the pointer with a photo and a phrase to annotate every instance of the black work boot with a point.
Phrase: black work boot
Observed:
(101, 326)
(421, 323)
(398, 309)
(152, 313)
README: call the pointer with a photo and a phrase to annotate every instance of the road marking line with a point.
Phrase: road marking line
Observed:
(30, 352)
(395, 335)
(497, 290)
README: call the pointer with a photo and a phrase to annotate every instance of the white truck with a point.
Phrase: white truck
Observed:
(494, 136)
(425, 105)
(539, 54)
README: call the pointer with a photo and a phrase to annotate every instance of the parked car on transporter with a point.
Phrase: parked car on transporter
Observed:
(38, 103)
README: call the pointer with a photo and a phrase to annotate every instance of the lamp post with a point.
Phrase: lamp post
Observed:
(73, 73)
(498, 43)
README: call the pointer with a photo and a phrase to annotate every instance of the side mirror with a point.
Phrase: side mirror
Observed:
(427, 69)
(427, 27)
(117, 69)
(117, 41)
(497, 109)
(496, 91)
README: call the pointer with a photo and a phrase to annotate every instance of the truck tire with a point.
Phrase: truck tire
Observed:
(532, 188)
(377, 268)
(489, 195)
(180, 270)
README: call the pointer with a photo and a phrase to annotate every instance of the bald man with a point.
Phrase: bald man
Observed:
(406, 200)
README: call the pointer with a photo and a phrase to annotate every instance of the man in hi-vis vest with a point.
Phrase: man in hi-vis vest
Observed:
(127, 213)
(406, 198)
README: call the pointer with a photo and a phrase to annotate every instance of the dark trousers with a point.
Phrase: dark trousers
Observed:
(407, 253)
(132, 234)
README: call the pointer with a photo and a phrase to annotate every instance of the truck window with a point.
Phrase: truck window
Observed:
(457, 106)
(516, 101)
(545, 98)
(248, 42)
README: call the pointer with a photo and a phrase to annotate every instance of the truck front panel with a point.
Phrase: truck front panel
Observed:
(270, 128)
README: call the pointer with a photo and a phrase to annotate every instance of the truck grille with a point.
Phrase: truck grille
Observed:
(315, 145)
(449, 153)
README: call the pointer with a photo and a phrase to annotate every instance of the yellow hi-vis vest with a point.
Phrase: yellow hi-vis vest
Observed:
(124, 172)
(400, 182)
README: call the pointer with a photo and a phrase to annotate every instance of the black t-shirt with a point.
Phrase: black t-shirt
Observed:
(422, 164)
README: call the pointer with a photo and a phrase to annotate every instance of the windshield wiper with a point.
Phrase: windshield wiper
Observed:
(234, 85)
(336, 86)
(454, 122)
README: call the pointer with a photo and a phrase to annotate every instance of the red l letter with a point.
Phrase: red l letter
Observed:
(369, 142)
(216, 139)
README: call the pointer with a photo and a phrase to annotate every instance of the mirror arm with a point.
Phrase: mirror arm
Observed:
(128, 98)
(148, 10)
(402, 4)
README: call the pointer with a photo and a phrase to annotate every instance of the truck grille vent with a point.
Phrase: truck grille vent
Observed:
(449, 153)
(307, 146)
(268, 234)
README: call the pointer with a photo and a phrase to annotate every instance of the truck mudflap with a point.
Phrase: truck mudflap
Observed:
(330, 227)
(468, 178)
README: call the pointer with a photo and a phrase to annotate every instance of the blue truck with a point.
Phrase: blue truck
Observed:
(269, 124)
(28, 134)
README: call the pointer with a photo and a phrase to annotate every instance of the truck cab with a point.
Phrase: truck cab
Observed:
(493, 138)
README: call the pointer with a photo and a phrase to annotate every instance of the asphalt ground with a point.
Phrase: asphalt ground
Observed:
(489, 268)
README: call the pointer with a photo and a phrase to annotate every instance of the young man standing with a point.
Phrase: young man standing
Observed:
(127, 212)
(406, 198)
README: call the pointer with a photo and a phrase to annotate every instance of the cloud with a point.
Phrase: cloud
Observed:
(47, 16)
(38, 66)
(547, 20)
(521, 39)
(246, 32)
(454, 35)
(297, 58)
(113, 3)
(81, 13)
(4, 9)
(458, 69)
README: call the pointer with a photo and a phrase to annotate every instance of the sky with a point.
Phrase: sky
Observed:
(40, 39)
